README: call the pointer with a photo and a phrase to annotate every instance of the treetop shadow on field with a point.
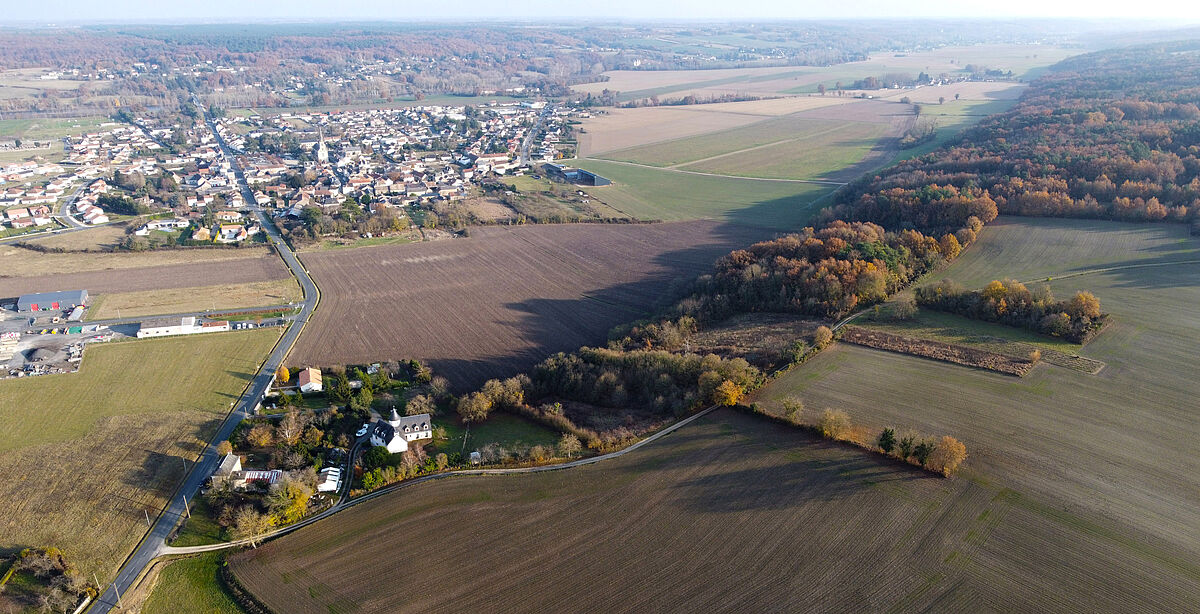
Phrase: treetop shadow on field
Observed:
(549, 326)
(157, 473)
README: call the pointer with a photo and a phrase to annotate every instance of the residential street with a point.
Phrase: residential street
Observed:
(154, 541)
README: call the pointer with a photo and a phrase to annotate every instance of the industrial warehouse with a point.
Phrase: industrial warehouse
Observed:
(52, 301)
(162, 327)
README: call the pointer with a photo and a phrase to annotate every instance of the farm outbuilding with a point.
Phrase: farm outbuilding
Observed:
(52, 301)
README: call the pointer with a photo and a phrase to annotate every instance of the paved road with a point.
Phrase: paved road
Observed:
(64, 210)
(527, 144)
(153, 543)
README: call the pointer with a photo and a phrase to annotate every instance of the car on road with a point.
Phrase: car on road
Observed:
(362, 431)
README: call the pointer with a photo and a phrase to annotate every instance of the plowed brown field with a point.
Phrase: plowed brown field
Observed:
(730, 514)
(507, 297)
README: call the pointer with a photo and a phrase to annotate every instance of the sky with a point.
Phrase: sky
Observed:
(1180, 12)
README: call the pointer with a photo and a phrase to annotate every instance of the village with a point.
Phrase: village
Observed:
(172, 176)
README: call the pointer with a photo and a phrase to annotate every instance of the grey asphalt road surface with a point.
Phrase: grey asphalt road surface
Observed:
(154, 541)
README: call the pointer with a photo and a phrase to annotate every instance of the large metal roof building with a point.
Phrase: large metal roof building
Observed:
(52, 301)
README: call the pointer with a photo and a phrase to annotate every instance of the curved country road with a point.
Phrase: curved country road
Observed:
(345, 504)
(153, 543)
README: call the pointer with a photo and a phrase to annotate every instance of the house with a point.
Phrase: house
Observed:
(329, 479)
(243, 479)
(201, 234)
(51, 301)
(396, 432)
(230, 233)
(309, 380)
(230, 463)
(228, 216)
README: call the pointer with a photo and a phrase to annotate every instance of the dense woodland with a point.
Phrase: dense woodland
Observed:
(1110, 135)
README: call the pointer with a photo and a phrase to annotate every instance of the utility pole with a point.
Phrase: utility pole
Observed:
(147, 516)
(186, 509)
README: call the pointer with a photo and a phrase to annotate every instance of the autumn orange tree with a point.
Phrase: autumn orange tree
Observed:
(947, 455)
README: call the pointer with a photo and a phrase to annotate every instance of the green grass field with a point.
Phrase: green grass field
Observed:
(512, 432)
(788, 147)
(690, 149)
(1115, 449)
(191, 586)
(92, 453)
(49, 128)
(818, 157)
(660, 194)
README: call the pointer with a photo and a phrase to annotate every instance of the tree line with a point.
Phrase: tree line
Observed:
(1010, 302)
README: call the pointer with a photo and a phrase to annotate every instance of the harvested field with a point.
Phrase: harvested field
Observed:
(118, 279)
(766, 340)
(507, 297)
(972, 90)
(680, 152)
(20, 262)
(88, 454)
(619, 129)
(666, 194)
(637, 80)
(1117, 446)
(184, 300)
(1023, 60)
(732, 513)
(99, 238)
(936, 350)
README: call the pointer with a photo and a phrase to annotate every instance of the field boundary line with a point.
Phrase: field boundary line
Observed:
(757, 147)
(172, 551)
(1110, 269)
(679, 170)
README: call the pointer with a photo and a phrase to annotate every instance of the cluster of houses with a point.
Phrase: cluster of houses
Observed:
(24, 217)
(395, 172)
(85, 205)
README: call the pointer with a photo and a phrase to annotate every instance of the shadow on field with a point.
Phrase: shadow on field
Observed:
(545, 326)
(789, 484)
(158, 472)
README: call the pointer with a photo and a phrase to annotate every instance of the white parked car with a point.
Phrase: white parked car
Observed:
(362, 431)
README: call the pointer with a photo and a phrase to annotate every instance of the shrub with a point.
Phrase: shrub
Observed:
(834, 424)
(921, 452)
(569, 445)
(727, 394)
(822, 336)
(947, 455)
(887, 440)
(793, 409)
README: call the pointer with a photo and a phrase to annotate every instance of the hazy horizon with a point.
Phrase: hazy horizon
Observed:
(71, 12)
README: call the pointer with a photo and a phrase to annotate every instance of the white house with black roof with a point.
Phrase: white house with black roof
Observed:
(396, 432)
